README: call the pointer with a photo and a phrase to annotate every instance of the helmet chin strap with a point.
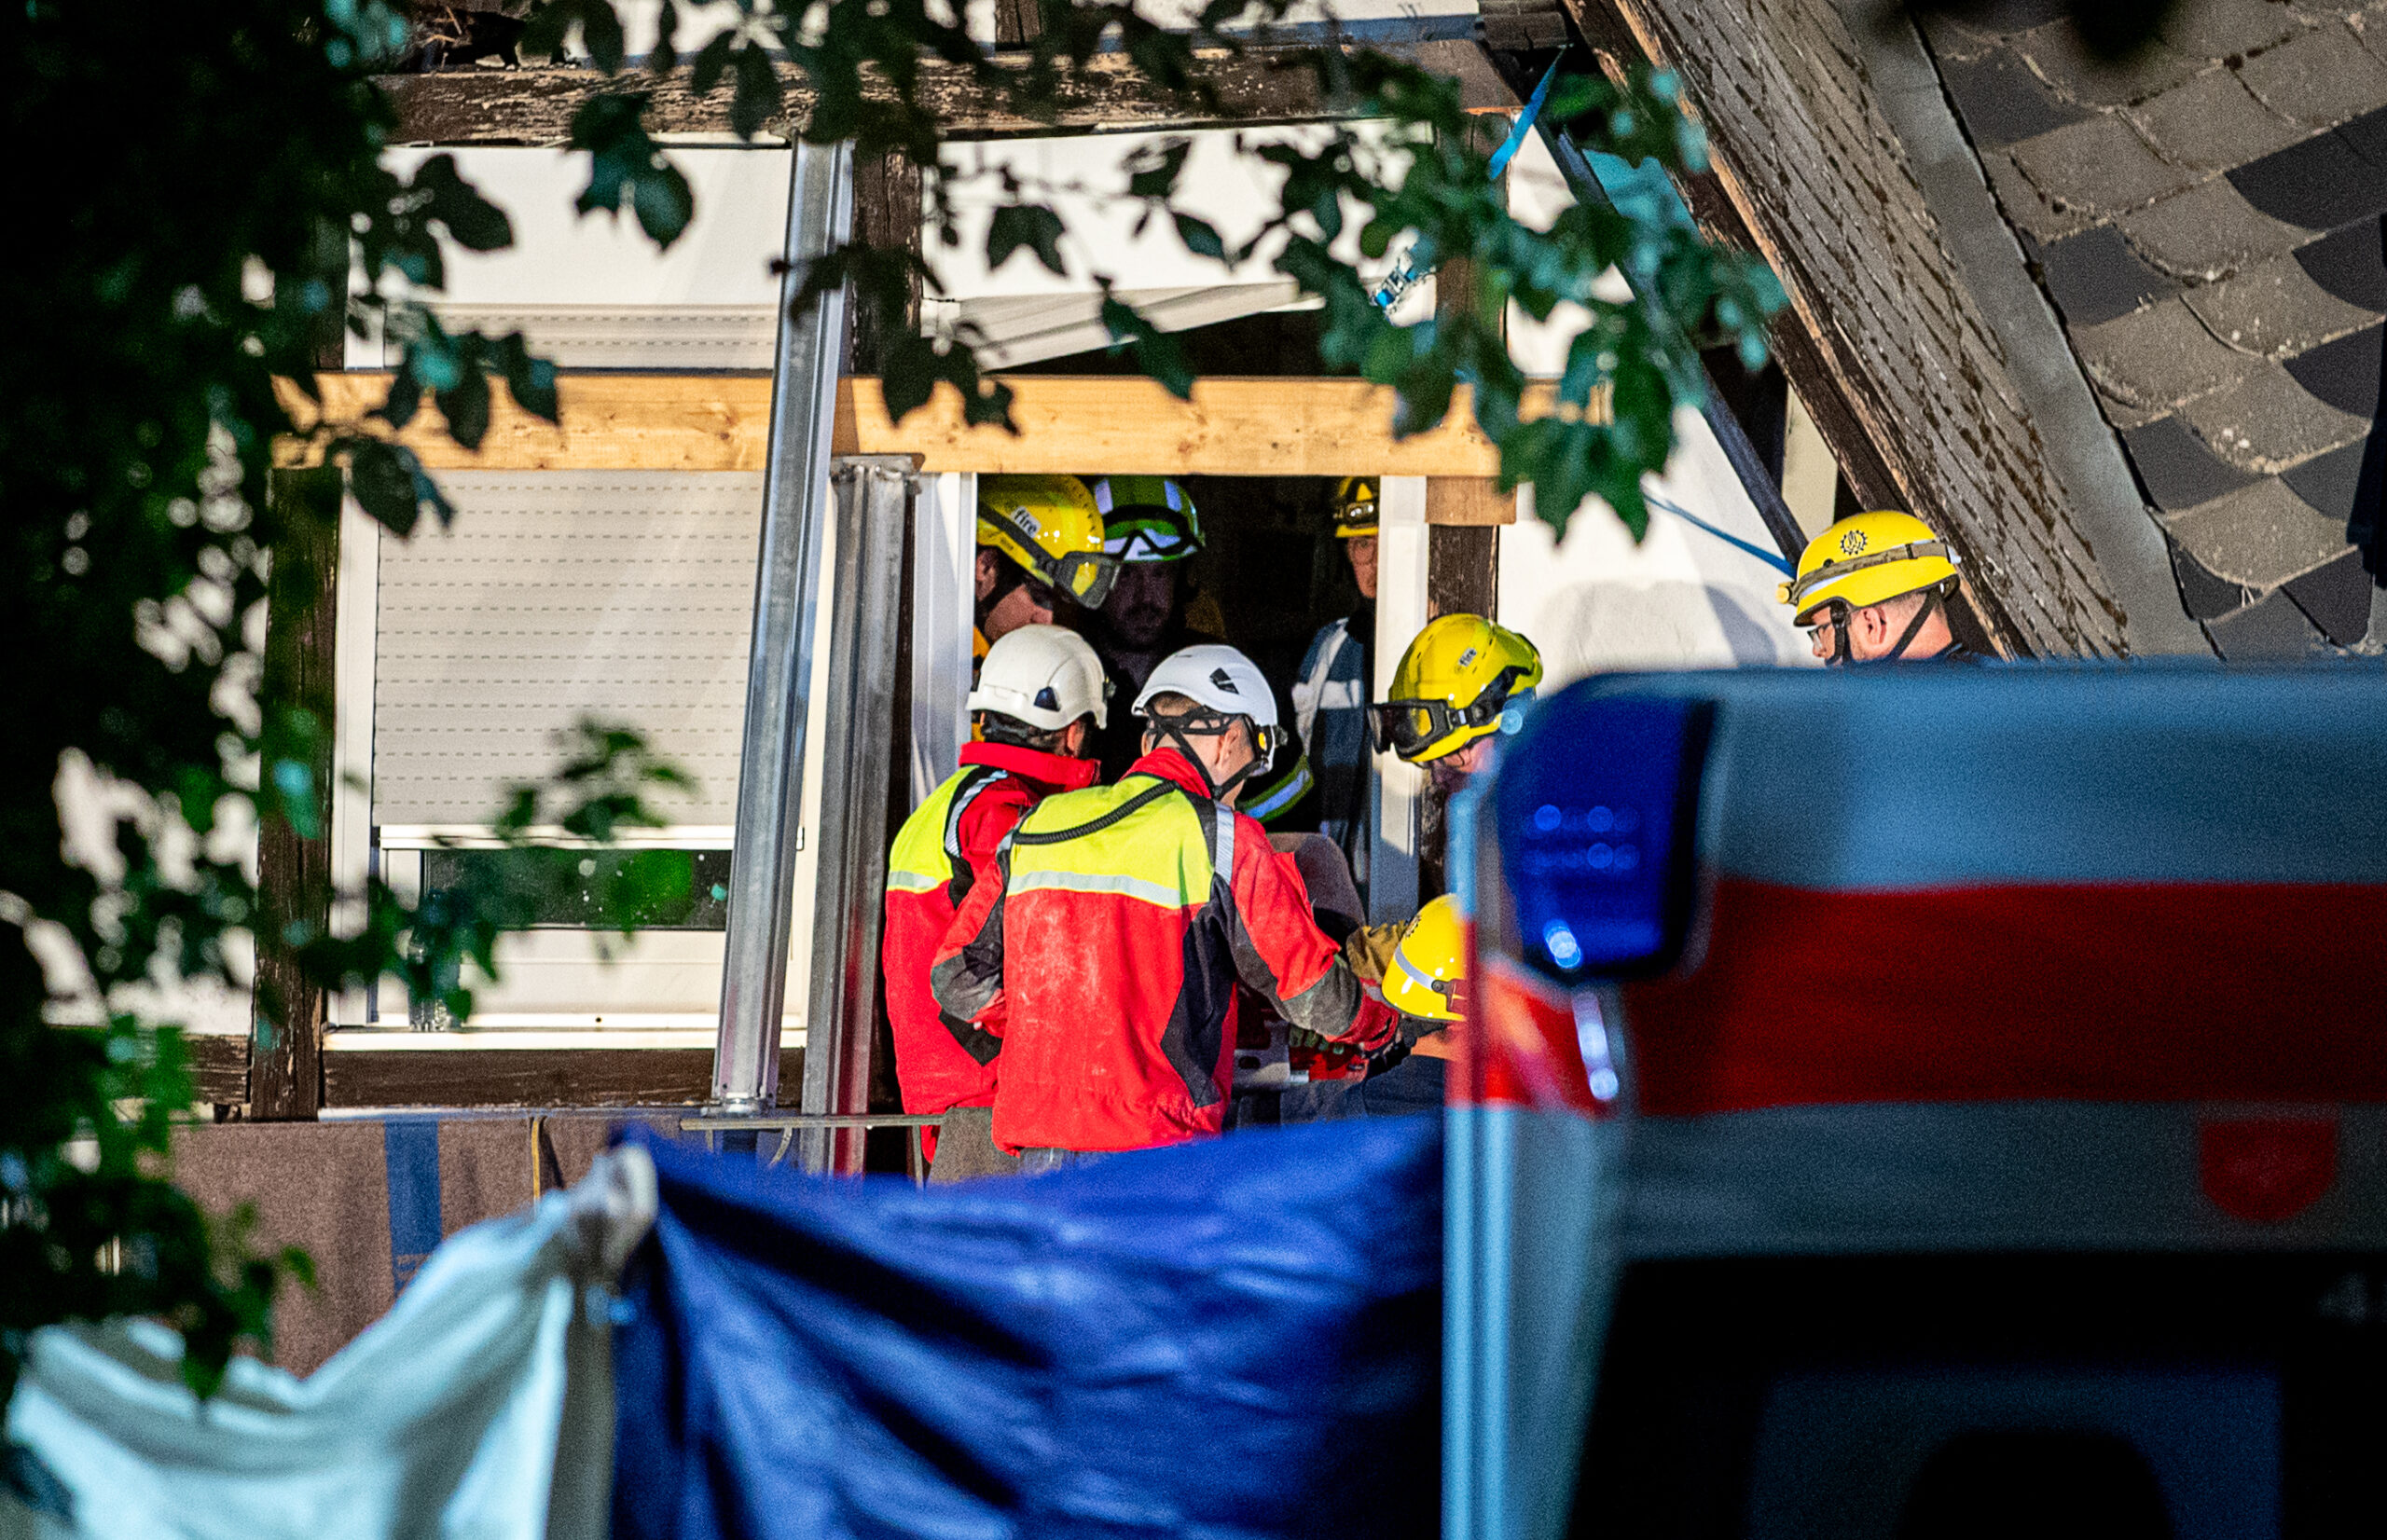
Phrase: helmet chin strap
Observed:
(1906, 638)
(1174, 729)
(1841, 616)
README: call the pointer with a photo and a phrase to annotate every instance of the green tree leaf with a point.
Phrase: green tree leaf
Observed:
(1029, 225)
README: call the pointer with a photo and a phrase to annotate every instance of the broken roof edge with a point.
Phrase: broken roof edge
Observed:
(2130, 548)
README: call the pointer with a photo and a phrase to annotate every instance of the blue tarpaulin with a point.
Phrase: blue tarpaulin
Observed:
(1239, 1337)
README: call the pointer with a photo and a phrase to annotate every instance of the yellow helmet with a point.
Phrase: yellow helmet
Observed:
(1866, 559)
(1463, 679)
(1052, 528)
(1355, 507)
(1428, 978)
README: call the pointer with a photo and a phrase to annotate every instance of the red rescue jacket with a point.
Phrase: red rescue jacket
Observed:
(950, 840)
(1105, 946)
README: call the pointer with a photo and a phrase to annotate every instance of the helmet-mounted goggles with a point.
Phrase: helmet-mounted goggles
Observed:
(1794, 593)
(1408, 726)
(1144, 534)
(1085, 576)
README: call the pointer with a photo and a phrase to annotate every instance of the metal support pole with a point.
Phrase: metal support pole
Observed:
(779, 671)
(874, 505)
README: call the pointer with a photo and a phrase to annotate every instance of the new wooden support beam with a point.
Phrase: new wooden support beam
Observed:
(535, 106)
(1095, 424)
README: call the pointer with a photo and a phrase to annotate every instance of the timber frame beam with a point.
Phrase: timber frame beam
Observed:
(535, 105)
(1095, 424)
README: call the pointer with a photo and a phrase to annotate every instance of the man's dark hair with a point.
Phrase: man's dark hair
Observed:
(1010, 575)
(994, 727)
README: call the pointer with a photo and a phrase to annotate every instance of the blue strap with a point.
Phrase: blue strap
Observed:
(410, 1153)
(1774, 559)
(1502, 156)
(1405, 274)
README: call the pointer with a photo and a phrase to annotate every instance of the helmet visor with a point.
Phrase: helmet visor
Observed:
(1152, 534)
(1410, 727)
(1085, 576)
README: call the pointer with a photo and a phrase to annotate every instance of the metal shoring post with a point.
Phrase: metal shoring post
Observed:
(874, 505)
(779, 677)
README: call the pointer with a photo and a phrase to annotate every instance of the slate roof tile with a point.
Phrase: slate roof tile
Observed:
(2176, 469)
(2259, 536)
(2095, 276)
(2028, 207)
(2333, 483)
(2322, 77)
(2205, 596)
(2345, 374)
(2057, 52)
(2367, 134)
(2207, 231)
(2350, 264)
(2211, 123)
(1953, 37)
(2269, 421)
(2160, 356)
(2124, 415)
(2215, 29)
(2270, 628)
(2002, 101)
(2336, 598)
(2320, 184)
(2101, 165)
(2275, 309)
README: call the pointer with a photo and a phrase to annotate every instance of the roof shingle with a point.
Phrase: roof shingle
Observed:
(2068, 63)
(2269, 421)
(2100, 165)
(2259, 536)
(2321, 78)
(2320, 184)
(2207, 231)
(2274, 309)
(2158, 357)
(2095, 276)
(2211, 123)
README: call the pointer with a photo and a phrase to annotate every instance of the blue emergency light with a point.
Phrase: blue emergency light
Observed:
(1595, 804)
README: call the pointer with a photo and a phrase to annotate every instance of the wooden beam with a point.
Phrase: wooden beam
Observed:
(294, 871)
(1468, 500)
(1096, 424)
(1107, 94)
(219, 1067)
(522, 1076)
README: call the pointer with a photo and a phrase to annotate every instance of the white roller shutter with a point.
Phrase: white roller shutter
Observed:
(622, 595)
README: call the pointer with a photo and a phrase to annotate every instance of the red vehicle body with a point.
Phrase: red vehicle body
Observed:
(1926, 1102)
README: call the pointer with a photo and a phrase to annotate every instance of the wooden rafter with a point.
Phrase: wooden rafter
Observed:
(535, 106)
(1107, 424)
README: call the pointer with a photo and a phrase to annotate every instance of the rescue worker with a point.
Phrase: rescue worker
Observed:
(1331, 692)
(1427, 983)
(1874, 588)
(1151, 528)
(1039, 548)
(1463, 683)
(1039, 698)
(1106, 943)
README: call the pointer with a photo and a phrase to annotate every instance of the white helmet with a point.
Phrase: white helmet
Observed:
(1219, 676)
(1045, 675)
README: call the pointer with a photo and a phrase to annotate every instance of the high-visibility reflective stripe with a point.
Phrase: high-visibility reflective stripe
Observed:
(916, 882)
(1222, 843)
(1103, 882)
(1295, 786)
(1156, 836)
